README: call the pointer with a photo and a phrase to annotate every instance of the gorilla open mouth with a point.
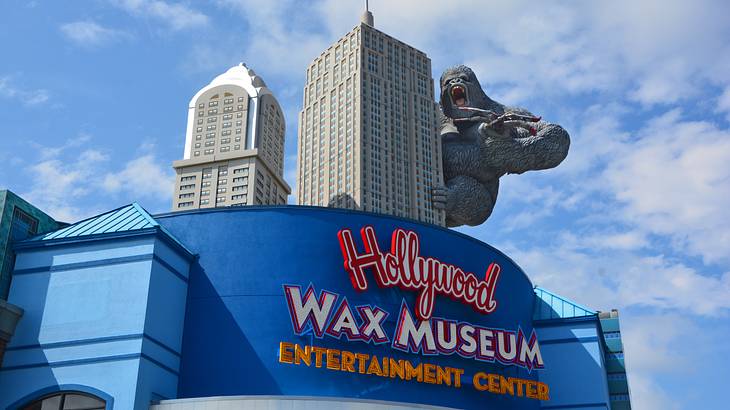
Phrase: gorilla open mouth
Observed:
(458, 95)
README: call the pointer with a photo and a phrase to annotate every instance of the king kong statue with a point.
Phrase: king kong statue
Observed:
(483, 140)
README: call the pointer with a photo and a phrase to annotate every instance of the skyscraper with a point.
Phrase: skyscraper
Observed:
(234, 145)
(367, 130)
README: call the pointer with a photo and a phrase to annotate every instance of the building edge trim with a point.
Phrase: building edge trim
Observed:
(103, 262)
(104, 359)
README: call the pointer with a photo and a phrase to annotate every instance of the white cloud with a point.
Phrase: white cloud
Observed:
(71, 184)
(276, 41)
(141, 177)
(58, 184)
(723, 103)
(177, 15)
(526, 50)
(674, 180)
(90, 34)
(606, 278)
(25, 96)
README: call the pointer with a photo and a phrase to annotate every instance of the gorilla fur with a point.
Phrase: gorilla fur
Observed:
(482, 140)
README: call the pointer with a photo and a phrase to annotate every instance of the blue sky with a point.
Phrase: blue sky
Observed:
(93, 98)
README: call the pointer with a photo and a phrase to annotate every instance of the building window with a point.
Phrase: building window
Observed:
(220, 199)
(239, 188)
(213, 104)
(204, 193)
(207, 173)
(197, 153)
(225, 149)
(240, 99)
(189, 186)
(67, 401)
(221, 190)
(201, 105)
(241, 197)
(242, 180)
(204, 201)
(208, 151)
(187, 178)
(185, 204)
(222, 181)
(22, 226)
(228, 101)
(243, 171)
(222, 172)
(188, 195)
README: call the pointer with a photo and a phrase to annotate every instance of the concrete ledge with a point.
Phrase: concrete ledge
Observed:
(9, 317)
(286, 403)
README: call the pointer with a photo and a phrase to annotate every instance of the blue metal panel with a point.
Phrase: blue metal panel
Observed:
(106, 314)
(580, 381)
(127, 218)
(548, 305)
(237, 313)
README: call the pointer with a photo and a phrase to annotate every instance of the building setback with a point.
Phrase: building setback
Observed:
(130, 311)
(367, 130)
(234, 145)
(19, 220)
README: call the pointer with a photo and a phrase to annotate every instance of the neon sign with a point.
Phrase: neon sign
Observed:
(404, 267)
(329, 315)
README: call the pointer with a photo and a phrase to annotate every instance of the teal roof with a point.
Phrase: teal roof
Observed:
(127, 218)
(548, 305)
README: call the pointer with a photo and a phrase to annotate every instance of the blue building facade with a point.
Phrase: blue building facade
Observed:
(290, 307)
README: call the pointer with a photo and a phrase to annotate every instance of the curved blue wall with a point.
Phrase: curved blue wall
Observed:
(236, 312)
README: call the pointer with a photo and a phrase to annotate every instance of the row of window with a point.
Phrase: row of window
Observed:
(215, 103)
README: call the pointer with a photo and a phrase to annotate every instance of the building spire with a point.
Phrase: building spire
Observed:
(367, 16)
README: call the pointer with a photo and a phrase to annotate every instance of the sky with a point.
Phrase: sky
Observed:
(93, 105)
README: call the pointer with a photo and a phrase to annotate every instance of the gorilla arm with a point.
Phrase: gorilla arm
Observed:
(513, 150)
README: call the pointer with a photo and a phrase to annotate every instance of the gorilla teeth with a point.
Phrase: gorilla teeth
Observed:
(458, 95)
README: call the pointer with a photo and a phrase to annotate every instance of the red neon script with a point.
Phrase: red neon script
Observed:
(404, 267)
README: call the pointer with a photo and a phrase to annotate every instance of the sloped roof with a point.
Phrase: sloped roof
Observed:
(548, 305)
(127, 219)
(131, 217)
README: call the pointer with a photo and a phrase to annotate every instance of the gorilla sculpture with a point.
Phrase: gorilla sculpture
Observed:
(483, 140)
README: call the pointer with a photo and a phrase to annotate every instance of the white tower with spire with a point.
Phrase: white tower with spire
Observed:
(234, 145)
(367, 129)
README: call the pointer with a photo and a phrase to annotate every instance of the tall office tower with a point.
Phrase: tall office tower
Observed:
(367, 133)
(234, 145)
